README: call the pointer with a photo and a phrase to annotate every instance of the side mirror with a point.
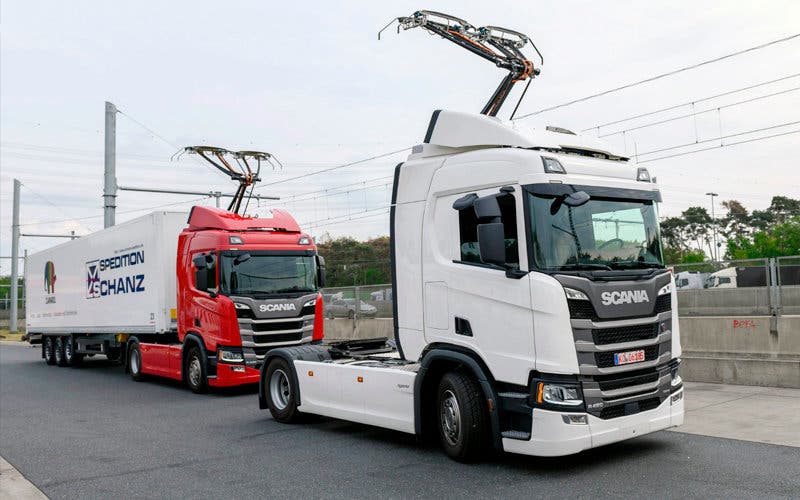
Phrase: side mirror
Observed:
(320, 271)
(492, 243)
(204, 261)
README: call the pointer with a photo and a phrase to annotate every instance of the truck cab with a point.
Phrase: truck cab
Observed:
(246, 285)
(531, 299)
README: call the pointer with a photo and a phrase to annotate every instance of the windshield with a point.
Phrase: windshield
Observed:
(604, 234)
(267, 274)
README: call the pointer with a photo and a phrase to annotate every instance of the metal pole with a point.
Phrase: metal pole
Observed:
(217, 197)
(12, 323)
(110, 175)
(715, 251)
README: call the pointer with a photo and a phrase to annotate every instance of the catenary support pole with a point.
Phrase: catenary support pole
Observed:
(12, 323)
(110, 176)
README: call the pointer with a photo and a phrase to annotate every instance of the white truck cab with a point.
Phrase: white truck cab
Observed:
(533, 311)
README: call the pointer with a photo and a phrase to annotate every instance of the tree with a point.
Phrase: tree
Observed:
(782, 239)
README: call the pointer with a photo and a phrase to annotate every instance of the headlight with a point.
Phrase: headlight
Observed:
(310, 303)
(575, 294)
(230, 355)
(665, 289)
(558, 394)
(676, 381)
(239, 305)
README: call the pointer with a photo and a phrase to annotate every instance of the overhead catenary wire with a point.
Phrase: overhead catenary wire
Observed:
(660, 76)
(722, 146)
(696, 101)
(709, 110)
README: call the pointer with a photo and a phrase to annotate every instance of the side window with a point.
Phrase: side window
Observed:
(723, 281)
(468, 231)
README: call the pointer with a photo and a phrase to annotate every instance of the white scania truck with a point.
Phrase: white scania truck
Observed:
(533, 310)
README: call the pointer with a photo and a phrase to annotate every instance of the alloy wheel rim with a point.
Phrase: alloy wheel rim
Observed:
(194, 371)
(135, 362)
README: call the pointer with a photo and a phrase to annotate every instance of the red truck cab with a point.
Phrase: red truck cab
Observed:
(245, 285)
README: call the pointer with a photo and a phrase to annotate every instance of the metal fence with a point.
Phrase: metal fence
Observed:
(752, 287)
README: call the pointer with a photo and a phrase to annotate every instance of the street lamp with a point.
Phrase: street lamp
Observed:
(714, 252)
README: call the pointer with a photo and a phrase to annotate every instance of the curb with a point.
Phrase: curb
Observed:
(14, 485)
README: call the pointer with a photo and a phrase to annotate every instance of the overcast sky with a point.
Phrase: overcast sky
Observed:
(313, 85)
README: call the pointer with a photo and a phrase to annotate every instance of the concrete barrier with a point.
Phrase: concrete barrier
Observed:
(745, 350)
(363, 328)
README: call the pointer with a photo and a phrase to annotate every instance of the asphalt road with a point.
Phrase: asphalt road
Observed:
(92, 432)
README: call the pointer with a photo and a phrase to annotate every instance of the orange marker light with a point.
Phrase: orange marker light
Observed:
(539, 392)
(310, 373)
(360, 379)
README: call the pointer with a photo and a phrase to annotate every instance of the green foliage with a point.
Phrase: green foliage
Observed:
(350, 262)
(780, 240)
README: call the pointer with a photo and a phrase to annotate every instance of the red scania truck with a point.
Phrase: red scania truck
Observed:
(199, 300)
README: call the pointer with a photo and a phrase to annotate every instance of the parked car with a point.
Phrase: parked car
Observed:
(346, 308)
(687, 280)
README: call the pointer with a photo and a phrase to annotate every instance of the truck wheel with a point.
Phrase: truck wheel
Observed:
(135, 361)
(59, 352)
(70, 357)
(195, 370)
(49, 351)
(281, 395)
(461, 416)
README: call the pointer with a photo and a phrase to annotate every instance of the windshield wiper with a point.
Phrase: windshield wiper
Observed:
(582, 266)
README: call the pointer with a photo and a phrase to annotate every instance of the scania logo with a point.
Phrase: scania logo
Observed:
(624, 297)
(276, 307)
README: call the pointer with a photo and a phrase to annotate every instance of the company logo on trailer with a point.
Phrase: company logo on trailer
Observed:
(50, 277)
(624, 297)
(99, 285)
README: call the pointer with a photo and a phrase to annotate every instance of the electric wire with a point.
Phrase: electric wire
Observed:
(696, 101)
(709, 110)
(660, 76)
(722, 146)
(57, 207)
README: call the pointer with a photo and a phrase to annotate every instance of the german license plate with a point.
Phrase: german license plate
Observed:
(623, 358)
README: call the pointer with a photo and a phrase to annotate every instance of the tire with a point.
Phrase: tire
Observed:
(135, 362)
(280, 392)
(71, 358)
(59, 352)
(461, 417)
(194, 370)
(49, 350)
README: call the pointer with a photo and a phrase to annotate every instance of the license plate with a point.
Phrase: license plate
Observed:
(623, 358)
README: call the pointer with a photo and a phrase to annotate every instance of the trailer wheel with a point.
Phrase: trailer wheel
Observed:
(195, 370)
(59, 352)
(461, 416)
(49, 350)
(70, 357)
(280, 393)
(135, 361)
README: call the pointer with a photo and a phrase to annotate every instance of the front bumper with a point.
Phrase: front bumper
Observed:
(551, 436)
(229, 375)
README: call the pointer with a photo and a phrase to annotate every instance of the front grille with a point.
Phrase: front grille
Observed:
(630, 379)
(610, 412)
(606, 359)
(581, 309)
(278, 325)
(277, 337)
(602, 336)
(245, 313)
(663, 303)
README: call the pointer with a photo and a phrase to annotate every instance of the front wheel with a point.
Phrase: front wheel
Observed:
(195, 370)
(49, 350)
(462, 417)
(280, 393)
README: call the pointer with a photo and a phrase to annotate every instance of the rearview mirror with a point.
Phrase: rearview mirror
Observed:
(320, 271)
(571, 200)
(241, 258)
(492, 243)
